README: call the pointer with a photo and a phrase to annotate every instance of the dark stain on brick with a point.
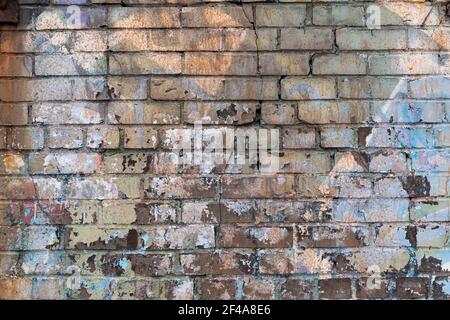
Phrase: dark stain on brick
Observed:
(362, 135)
(91, 263)
(111, 266)
(430, 264)
(411, 235)
(230, 111)
(416, 186)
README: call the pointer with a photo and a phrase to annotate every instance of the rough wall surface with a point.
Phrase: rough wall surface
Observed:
(97, 98)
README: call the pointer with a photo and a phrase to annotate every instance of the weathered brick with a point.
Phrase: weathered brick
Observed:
(67, 113)
(163, 17)
(255, 237)
(328, 112)
(307, 38)
(70, 65)
(362, 39)
(220, 64)
(65, 138)
(412, 287)
(180, 187)
(213, 17)
(145, 63)
(140, 138)
(219, 112)
(342, 64)
(102, 137)
(257, 187)
(308, 88)
(200, 88)
(280, 16)
(335, 288)
(16, 66)
(286, 63)
(338, 15)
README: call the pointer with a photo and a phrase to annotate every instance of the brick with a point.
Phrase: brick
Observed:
(342, 64)
(255, 237)
(330, 236)
(279, 113)
(338, 138)
(297, 289)
(220, 64)
(140, 138)
(432, 160)
(338, 15)
(213, 17)
(405, 186)
(12, 163)
(431, 39)
(180, 187)
(441, 136)
(165, 289)
(371, 210)
(394, 137)
(104, 188)
(201, 212)
(70, 65)
(67, 113)
(15, 66)
(218, 289)
(130, 18)
(183, 40)
(35, 89)
(361, 39)
(13, 114)
(412, 287)
(440, 290)
(148, 63)
(257, 187)
(435, 87)
(408, 111)
(126, 163)
(335, 288)
(258, 289)
(299, 138)
(219, 262)
(308, 88)
(430, 211)
(27, 138)
(373, 288)
(307, 38)
(219, 112)
(303, 162)
(143, 112)
(371, 87)
(397, 64)
(102, 137)
(389, 161)
(65, 138)
(64, 163)
(13, 288)
(412, 14)
(350, 161)
(280, 16)
(329, 112)
(286, 63)
(49, 19)
(200, 88)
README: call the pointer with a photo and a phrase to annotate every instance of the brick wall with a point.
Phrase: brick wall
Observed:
(97, 98)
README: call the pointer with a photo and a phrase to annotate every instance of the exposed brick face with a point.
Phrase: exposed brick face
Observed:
(101, 193)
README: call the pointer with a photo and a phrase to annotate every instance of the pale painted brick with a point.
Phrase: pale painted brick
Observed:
(307, 38)
(363, 39)
(342, 64)
(293, 88)
(281, 15)
(338, 15)
(338, 138)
